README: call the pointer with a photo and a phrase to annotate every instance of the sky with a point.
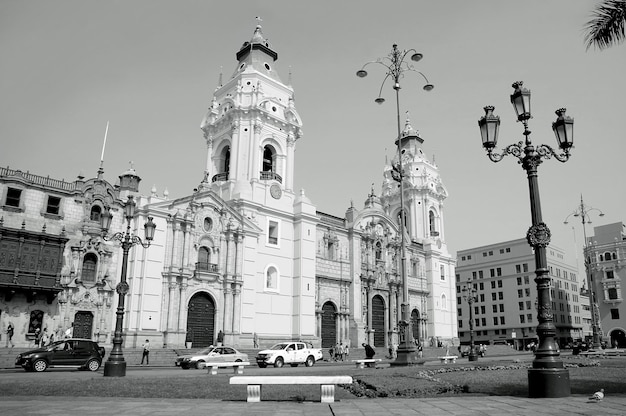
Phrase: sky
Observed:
(149, 68)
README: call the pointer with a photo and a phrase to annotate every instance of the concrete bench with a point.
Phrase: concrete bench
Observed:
(237, 366)
(448, 359)
(368, 361)
(326, 383)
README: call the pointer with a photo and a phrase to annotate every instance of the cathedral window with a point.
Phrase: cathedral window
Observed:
(273, 232)
(35, 321)
(96, 213)
(90, 262)
(204, 258)
(226, 167)
(379, 251)
(268, 159)
(432, 224)
(613, 293)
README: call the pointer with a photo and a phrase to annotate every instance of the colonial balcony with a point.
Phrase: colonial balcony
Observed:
(268, 176)
(220, 177)
(206, 267)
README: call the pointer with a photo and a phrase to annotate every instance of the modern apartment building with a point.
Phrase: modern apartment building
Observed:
(606, 254)
(504, 309)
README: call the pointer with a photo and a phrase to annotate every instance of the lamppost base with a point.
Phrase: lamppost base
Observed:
(472, 357)
(407, 356)
(115, 368)
(548, 382)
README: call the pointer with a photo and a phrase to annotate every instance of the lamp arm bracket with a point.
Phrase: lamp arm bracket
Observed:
(547, 152)
(515, 149)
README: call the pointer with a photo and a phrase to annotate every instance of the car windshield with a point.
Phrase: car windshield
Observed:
(206, 351)
(279, 346)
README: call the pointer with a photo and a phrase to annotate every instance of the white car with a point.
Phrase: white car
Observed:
(292, 353)
(211, 354)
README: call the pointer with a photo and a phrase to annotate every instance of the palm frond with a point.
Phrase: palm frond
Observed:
(606, 27)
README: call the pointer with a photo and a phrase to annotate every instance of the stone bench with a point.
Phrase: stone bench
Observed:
(368, 361)
(448, 359)
(326, 383)
(236, 365)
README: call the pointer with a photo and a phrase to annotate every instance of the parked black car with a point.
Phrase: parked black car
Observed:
(74, 352)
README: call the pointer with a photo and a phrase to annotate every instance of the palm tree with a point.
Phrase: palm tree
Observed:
(607, 25)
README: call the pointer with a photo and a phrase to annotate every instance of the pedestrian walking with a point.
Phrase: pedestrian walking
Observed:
(10, 331)
(342, 351)
(69, 332)
(44, 337)
(369, 351)
(37, 339)
(146, 352)
(331, 354)
(255, 340)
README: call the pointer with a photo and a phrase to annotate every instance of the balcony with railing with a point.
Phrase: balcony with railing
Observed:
(220, 177)
(269, 176)
(206, 267)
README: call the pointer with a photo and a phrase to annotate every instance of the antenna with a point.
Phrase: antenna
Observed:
(106, 132)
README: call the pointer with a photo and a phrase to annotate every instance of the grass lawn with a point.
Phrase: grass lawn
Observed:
(492, 378)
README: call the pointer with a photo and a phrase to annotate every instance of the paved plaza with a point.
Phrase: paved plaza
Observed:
(455, 405)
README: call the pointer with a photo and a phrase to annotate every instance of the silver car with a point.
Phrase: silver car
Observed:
(210, 355)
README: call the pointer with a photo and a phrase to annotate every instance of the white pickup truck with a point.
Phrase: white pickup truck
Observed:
(292, 353)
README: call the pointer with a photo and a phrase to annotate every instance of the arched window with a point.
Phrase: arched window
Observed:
(96, 213)
(401, 214)
(35, 321)
(226, 168)
(432, 223)
(444, 302)
(379, 251)
(90, 265)
(268, 159)
(204, 258)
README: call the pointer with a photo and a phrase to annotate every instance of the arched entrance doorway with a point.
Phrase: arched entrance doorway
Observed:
(618, 338)
(329, 325)
(83, 324)
(378, 320)
(201, 320)
(415, 324)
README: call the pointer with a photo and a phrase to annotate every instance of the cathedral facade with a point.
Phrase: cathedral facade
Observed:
(246, 254)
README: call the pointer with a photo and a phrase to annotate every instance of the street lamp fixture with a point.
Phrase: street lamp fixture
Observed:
(583, 211)
(548, 377)
(115, 366)
(396, 65)
(469, 295)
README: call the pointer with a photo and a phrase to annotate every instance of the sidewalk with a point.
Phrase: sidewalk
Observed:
(454, 405)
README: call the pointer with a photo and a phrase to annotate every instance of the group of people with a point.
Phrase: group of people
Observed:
(339, 352)
(41, 338)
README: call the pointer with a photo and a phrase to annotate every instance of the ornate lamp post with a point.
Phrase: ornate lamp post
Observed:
(115, 366)
(469, 295)
(396, 65)
(547, 377)
(583, 211)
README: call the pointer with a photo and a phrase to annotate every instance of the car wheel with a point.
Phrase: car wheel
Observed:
(238, 360)
(199, 365)
(93, 365)
(40, 365)
(262, 365)
(309, 361)
(279, 362)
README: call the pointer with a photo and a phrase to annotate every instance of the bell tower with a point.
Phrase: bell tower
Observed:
(251, 129)
(423, 187)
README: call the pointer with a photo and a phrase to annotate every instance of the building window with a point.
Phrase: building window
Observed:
(493, 284)
(502, 320)
(520, 293)
(519, 281)
(527, 292)
(482, 297)
(518, 268)
(461, 326)
(520, 305)
(273, 232)
(494, 308)
(432, 223)
(473, 275)
(482, 310)
(379, 251)
(499, 271)
(526, 280)
(469, 257)
(525, 267)
(483, 321)
(482, 286)
(614, 313)
(54, 205)
(90, 265)
(96, 213)
(522, 319)
(493, 296)
(459, 311)
(501, 295)
(499, 283)
(613, 293)
(502, 307)
(271, 278)
(444, 302)
(13, 197)
(480, 274)
(495, 320)
(492, 272)
(35, 321)
(610, 274)
(442, 270)
(204, 258)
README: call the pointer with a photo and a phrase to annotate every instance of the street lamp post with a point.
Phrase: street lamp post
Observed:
(115, 366)
(469, 294)
(396, 65)
(583, 211)
(548, 377)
